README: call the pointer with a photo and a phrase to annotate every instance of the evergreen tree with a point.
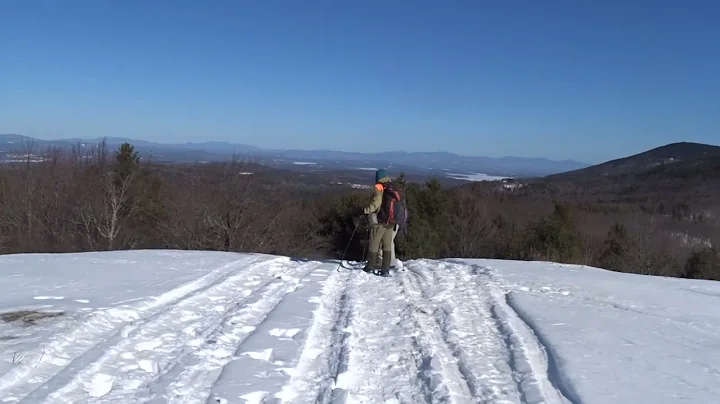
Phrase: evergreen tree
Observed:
(127, 161)
(703, 264)
(553, 238)
(616, 247)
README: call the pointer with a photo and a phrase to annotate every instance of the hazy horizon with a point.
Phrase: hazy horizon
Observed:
(167, 142)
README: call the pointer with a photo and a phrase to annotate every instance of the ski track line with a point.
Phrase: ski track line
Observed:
(194, 378)
(101, 328)
(439, 367)
(383, 366)
(161, 345)
(265, 360)
(468, 329)
(531, 363)
(538, 385)
(473, 333)
(320, 373)
(58, 367)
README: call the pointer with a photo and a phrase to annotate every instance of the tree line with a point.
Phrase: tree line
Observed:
(79, 200)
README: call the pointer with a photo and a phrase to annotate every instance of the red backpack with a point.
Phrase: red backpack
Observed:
(393, 209)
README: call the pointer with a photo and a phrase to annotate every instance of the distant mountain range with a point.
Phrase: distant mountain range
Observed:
(451, 164)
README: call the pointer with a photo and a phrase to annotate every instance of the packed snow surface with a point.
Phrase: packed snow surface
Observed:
(197, 327)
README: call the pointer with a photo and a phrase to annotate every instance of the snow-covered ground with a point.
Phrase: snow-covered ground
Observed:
(195, 327)
(351, 185)
(477, 177)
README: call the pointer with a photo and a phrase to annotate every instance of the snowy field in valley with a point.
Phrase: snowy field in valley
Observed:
(477, 177)
(196, 327)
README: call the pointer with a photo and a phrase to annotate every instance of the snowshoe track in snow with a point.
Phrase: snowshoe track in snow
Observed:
(236, 341)
(275, 330)
(57, 375)
(317, 378)
(529, 360)
(488, 353)
(378, 344)
(302, 359)
(439, 369)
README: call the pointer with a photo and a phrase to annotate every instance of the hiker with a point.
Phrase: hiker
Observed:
(396, 229)
(399, 225)
(386, 211)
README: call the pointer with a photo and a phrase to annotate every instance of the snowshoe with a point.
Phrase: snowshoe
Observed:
(371, 265)
(383, 274)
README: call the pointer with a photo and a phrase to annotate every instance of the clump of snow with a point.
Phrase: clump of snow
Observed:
(691, 241)
(512, 185)
(172, 326)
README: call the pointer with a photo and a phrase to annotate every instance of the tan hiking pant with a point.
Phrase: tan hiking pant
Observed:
(380, 235)
(392, 246)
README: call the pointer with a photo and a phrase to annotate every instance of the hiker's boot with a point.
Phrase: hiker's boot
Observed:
(387, 257)
(371, 263)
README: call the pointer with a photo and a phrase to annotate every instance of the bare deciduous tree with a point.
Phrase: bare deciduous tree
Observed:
(471, 226)
(117, 192)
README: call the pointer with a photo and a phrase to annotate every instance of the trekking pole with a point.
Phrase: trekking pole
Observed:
(347, 246)
(365, 247)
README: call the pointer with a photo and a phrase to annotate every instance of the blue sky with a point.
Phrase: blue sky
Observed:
(588, 81)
